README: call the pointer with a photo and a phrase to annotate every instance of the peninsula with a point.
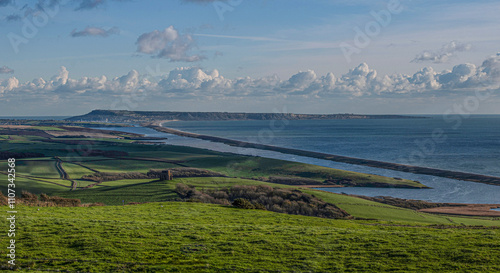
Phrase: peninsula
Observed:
(123, 116)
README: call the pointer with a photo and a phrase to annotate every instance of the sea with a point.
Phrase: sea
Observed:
(459, 143)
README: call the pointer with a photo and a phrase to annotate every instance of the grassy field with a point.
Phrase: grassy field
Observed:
(365, 209)
(45, 169)
(144, 190)
(166, 235)
(192, 237)
(75, 171)
(116, 192)
(36, 186)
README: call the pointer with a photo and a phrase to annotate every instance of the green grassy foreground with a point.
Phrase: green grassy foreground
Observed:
(192, 237)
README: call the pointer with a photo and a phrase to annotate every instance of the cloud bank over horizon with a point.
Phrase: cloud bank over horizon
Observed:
(194, 83)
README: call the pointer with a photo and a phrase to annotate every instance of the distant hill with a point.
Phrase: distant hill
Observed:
(151, 116)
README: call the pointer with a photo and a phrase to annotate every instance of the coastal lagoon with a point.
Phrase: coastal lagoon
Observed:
(473, 147)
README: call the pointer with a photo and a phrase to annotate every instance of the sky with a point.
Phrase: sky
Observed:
(68, 57)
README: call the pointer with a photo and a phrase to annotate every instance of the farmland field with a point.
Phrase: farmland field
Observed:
(46, 169)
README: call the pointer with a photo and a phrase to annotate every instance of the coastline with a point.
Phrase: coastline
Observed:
(457, 175)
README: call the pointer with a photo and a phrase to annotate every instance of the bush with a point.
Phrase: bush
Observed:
(104, 177)
(185, 191)
(152, 174)
(3, 199)
(243, 203)
(265, 198)
(185, 172)
(45, 200)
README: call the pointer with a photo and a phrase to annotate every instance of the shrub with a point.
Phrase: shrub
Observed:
(44, 200)
(266, 198)
(3, 199)
(29, 197)
(243, 203)
(152, 174)
(185, 172)
(185, 191)
(104, 177)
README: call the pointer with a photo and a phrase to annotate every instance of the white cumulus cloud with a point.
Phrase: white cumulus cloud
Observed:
(195, 83)
(168, 44)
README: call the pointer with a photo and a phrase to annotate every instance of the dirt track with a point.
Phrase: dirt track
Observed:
(64, 175)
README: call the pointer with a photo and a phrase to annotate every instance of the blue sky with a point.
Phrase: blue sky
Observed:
(69, 57)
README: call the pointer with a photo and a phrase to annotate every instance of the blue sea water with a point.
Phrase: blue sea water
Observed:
(471, 146)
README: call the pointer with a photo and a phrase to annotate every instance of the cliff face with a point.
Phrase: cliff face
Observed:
(150, 116)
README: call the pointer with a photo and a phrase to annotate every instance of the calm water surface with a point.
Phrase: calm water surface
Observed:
(443, 189)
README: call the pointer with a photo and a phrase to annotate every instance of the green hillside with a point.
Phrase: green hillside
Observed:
(192, 237)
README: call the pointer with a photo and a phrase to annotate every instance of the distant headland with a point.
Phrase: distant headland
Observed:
(124, 116)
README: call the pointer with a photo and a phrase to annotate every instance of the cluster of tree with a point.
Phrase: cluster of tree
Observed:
(152, 174)
(290, 180)
(44, 200)
(408, 203)
(185, 172)
(104, 177)
(18, 155)
(70, 136)
(290, 201)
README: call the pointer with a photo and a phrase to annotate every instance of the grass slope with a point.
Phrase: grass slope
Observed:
(144, 190)
(191, 237)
